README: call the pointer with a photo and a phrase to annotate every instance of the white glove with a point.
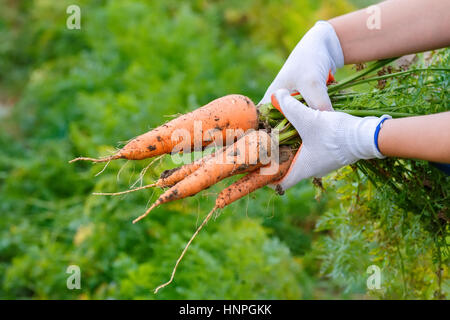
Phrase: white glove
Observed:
(306, 70)
(330, 140)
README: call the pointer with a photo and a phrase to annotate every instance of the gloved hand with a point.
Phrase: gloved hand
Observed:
(330, 140)
(307, 68)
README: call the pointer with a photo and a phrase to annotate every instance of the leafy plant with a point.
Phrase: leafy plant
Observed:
(394, 212)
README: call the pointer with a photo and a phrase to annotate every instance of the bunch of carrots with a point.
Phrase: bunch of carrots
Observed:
(261, 131)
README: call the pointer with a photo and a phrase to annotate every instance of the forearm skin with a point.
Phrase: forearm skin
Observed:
(423, 137)
(405, 27)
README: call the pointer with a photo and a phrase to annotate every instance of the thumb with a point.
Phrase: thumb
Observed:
(316, 96)
(266, 98)
(299, 115)
(297, 171)
(274, 86)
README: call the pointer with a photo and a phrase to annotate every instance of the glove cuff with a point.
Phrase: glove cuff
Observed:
(361, 138)
(332, 43)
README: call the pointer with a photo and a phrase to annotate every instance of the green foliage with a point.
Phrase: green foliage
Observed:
(132, 64)
(398, 210)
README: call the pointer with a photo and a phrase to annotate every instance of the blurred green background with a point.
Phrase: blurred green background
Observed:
(65, 93)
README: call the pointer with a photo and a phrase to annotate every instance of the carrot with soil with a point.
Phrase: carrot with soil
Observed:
(255, 180)
(235, 112)
(242, 156)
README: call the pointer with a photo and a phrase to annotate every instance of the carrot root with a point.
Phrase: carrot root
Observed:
(146, 212)
(205, 221)
(124, 192)
(104, 168)
(106, 159)
(144, 171)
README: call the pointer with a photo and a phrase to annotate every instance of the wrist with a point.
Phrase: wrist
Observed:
(360, 139)
(369, 131)
(377, 132)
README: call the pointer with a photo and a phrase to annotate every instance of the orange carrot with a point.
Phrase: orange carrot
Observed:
(169, 178)
(240, 157)
(234, 112)
(249, 183)
(254, 180)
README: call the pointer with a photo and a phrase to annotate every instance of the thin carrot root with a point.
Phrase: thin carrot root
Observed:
(205, 221)
(146, 212)
(124, 192)
(106, 159)
(104, 168)
(144, 171)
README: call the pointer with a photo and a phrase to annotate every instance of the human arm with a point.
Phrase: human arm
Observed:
(423, 137)
(403, 27)
(406, 26)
